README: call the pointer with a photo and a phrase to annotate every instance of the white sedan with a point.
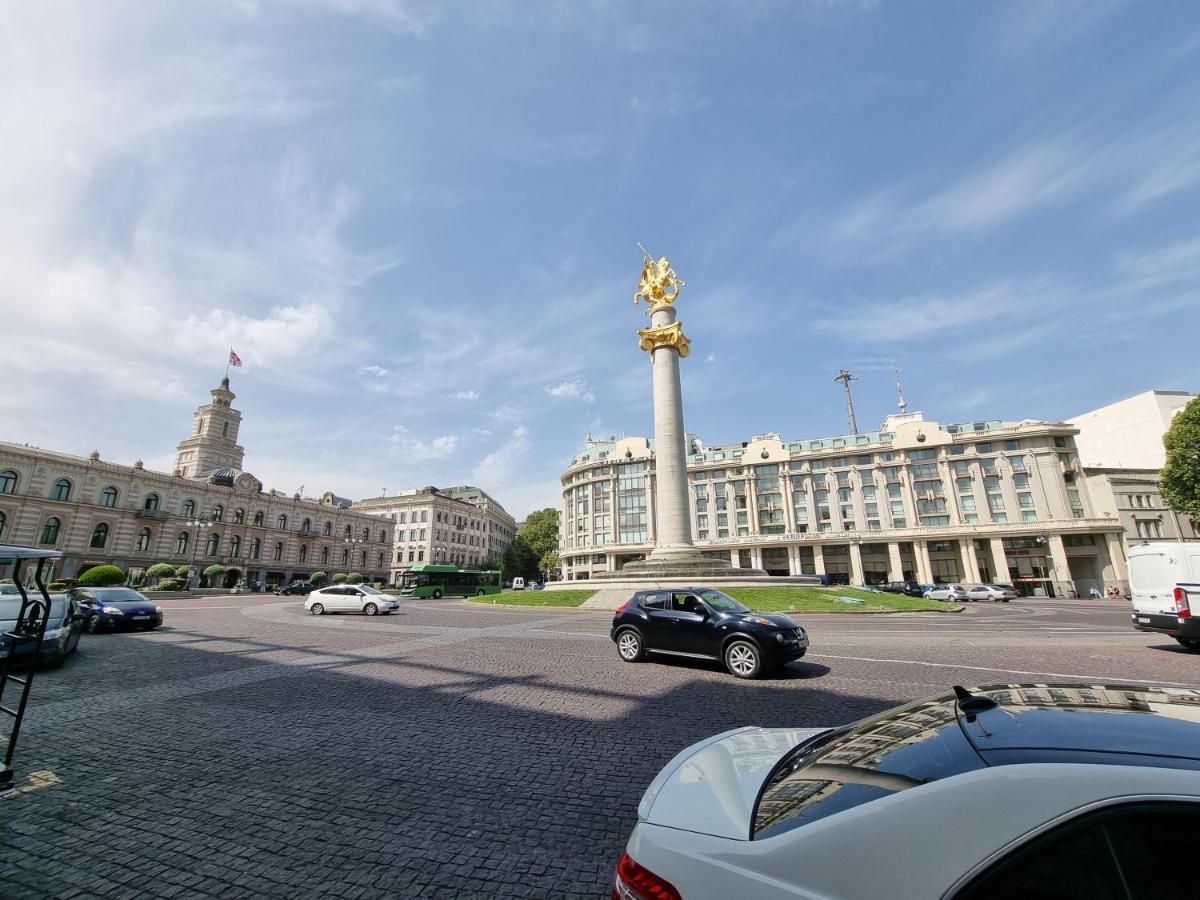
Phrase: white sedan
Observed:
(1009, 791)
(993, 592)
(952, 592)
(359, 598)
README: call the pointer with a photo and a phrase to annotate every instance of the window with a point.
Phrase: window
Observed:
(224, 429)
(108, 497)
(8, 482)
(281, 523)
(957, 449)
(62, 490)
(214, 543)
(143, 541)
(255, 548)
(346, 532)
(235, 546)
(3, 520)
(382, 536)
(181, 542)
(189, 508)
(258, 518)
(985, 447)
(1012, 445)
(306, 526)
(345, 557)
(218, 513)
(1060, 442)
(50, 531)
(99, 536)
(325, 556)
(303, 552)
(278, 554)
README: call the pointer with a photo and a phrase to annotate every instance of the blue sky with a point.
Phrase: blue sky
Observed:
(415, 221)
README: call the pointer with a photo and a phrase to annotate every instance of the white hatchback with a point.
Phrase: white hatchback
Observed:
(952, 592)
(359, 598)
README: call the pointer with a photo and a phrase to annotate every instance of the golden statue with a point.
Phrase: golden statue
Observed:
(659, 285)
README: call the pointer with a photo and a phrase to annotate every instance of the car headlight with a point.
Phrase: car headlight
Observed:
(111, 611)
(158, 609)
(759, 620)
(52, 634)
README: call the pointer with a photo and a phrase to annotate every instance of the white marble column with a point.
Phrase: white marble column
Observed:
(922, 561)
(818, 559)
(673, 534)
(895, 565)
(856, 564)
(970, 563)
(1061, 575)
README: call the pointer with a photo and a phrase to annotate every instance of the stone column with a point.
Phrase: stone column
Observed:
(1062, 569)
(966, 548)
(922, 562)
(895, 565)
(673, 535)
(818, 559)
(999, 560)
(856, 563)
(1116, 559)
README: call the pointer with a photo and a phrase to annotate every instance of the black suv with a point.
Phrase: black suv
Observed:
(703, 623)
(297, 587)
(908, 588)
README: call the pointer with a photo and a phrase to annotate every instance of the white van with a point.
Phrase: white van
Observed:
(1164, 581)
(518, 584)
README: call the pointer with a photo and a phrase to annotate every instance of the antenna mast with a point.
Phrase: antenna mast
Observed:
(900, 392)
(845, 376)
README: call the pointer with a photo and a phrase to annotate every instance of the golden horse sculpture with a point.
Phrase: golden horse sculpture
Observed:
(659, 285)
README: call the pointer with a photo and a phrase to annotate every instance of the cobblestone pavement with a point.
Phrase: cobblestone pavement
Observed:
(248, 750)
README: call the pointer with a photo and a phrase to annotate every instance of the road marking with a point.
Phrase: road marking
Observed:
(192, 608)
(1094, 679)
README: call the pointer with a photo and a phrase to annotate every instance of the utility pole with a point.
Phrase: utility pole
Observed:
(845, 377)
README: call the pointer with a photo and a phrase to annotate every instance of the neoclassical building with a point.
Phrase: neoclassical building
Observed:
(916, 500)
(208, 511)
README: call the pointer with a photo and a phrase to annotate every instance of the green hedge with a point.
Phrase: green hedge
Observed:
(102, 576)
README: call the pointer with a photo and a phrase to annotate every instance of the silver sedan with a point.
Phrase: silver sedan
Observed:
(993, 592)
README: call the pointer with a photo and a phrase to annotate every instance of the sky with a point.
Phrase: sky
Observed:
(416, 222)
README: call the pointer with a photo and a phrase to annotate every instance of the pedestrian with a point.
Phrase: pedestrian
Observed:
(1094, 593)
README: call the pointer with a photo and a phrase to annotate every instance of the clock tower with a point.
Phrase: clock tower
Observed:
(213, 441)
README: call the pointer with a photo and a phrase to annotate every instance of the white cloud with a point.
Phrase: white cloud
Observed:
(414, 450)
(576, 389)
(467, 395)
(502, 464)
(1176, 262)
(377, 371)
(506, 414)
(711, 358)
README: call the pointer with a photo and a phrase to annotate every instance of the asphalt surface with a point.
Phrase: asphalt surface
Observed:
(247, 749)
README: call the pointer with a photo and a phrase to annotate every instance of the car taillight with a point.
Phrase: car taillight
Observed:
(1182, 609)
(620, 609)
(632, 881)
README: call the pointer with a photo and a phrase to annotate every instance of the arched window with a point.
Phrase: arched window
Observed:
(50, 531)
(346, 533)
(214, 543)
(281, 523)
(181, 542)
(3, 522)
(143, 541)
(324, 552)
(306, 526)
(239, 516)
(189, 508)
(258, 518)
(8, 482)
(303, 552)
(218, 513)
(108, 497)
(328, 528)
(62, 490)
(99, 536)
(345, 557)
(224, 429)
(235, 546)
(150, 503)
(364, 557)
(278, 551)
(380, 563)
(255, 548)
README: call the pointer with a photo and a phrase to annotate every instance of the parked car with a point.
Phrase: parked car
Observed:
(952, 592)
(994, 592)
(703, 623)
(297, 587)
(61, 637)
(115, 608)
(1164, 582)
(534, 586)
(908, 588)
(359, 598)
(518, 584)
(1048, 791)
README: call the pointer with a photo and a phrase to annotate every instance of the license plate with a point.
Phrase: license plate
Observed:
(1144, 619)
(139, 618)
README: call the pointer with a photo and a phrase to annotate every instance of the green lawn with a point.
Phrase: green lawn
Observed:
(535, 598)
(805, 599)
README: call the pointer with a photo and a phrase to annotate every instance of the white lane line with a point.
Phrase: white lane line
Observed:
(197, 608)
(1094, 679)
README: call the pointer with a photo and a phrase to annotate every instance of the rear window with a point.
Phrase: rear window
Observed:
(1151, 572)
(901, 749)
(656, 600)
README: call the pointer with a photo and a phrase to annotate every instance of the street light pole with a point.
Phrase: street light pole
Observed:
(199, 525)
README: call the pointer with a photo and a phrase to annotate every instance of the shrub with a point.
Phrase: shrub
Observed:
(160, 570)
(318, 577)
(339, 577)
(172, 584)
(56, 586)
(102, 576)
(354, 578)
(182, 571)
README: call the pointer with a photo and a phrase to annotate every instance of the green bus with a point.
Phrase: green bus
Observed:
(433, 580)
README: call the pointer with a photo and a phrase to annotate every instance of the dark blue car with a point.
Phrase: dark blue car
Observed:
(116, 608)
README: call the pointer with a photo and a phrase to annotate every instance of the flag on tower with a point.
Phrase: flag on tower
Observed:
(234, 359)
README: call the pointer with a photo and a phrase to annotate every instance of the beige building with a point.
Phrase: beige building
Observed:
(1132, 497)
(462, 526)
(1128, 434)
(208, 511)
(979, 502)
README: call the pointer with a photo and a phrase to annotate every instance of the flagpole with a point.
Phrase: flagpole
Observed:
(228, 361)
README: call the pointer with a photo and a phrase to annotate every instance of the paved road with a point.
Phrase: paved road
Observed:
(247, 749)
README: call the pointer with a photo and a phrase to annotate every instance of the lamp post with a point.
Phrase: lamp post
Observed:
(350, 542)
(199, 525)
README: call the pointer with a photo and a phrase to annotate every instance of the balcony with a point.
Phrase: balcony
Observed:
(159, 514)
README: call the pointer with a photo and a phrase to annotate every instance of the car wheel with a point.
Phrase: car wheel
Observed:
(743, 660)
(1191, 643)
(437, 595)
(1004, 599)
(370, 609)
(316, 609)
(92, 624)
(629, 645)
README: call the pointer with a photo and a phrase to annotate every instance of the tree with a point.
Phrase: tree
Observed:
(550, 563)
(519, 560)
(339, 577)
(541, 531)
(1181, 474)
(182, 571)
(161, 570)
(492, 563)
(172, 584)
(318, 578)
(102, 576)
(354, 578)
(213, 571)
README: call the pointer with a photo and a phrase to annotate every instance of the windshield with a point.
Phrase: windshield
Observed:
(116, 595)
(721, 602)
(10, 607)
(368, 589)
